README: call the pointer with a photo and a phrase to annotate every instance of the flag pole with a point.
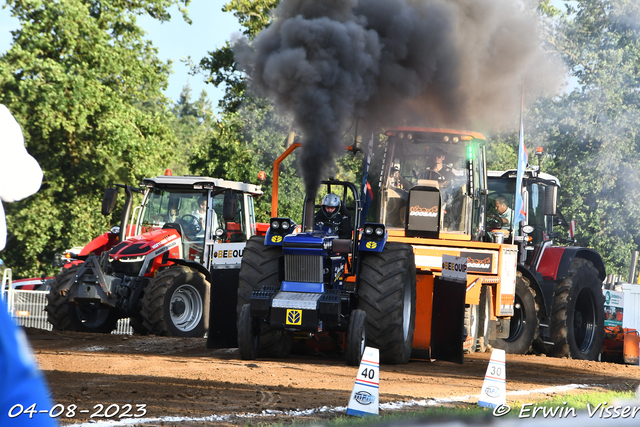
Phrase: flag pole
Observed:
(523, 159)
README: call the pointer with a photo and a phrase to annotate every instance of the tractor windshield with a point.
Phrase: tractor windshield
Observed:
(186, 208)
(501, 188)
(426, 161)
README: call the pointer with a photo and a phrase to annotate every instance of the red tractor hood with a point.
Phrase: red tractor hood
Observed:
(145, 244)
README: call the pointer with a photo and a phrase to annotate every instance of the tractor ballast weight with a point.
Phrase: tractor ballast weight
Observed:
(163, 269)
(390, 278)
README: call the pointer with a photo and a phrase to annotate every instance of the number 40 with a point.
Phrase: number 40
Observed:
(368, 373)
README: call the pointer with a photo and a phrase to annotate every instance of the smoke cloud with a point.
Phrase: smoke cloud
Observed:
(456, 63)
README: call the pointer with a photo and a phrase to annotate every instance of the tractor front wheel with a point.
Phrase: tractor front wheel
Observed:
(176, 303)
(471, 322)
(86, 317)
(387, 294)
(524, 322)
(356, 337)
(248, 334)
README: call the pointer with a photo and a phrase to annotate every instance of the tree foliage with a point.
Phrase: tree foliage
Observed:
(75, 78)
(592, 132)
(193, 124)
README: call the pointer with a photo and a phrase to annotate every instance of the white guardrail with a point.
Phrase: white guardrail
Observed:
(26, 307)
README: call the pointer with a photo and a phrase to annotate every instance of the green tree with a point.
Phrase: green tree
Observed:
(592, 132)
(193, 126)
(76, 77)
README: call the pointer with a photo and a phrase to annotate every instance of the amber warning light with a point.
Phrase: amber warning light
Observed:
(262, 176)
(167, 172)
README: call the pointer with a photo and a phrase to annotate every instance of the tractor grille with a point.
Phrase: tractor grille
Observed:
(303, 268)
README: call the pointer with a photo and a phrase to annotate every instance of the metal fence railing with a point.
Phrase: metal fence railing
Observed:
(26, 308)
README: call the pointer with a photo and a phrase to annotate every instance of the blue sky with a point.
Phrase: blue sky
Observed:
(175, 40)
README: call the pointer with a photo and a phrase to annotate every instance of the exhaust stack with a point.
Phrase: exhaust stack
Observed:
(309, 215)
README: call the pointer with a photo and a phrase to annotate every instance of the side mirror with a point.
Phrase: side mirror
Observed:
(230, 206)
(109, 201)
(550, 200)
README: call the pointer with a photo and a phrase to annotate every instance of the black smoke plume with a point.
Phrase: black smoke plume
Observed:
(456, 63)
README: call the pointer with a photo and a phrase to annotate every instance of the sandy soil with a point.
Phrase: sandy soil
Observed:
(179, 377)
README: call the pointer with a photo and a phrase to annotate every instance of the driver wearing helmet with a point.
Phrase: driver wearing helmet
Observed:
(330, 215)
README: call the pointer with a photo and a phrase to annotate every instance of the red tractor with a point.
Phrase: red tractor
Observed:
(181, 249)
(559, 301)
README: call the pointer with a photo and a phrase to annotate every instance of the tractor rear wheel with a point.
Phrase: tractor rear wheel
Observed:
(577, 320)
(87, 317)
(356, 337)
(176, 303)
(524, 322)
(387, 294)
(259, 268)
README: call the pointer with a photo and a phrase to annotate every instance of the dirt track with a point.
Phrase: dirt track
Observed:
(177, 377)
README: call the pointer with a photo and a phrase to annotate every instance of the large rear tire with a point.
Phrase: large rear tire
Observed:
(387, 294)
(87, 317)
(577, 320)
(176, 303)
(524, 322)
(259, 268)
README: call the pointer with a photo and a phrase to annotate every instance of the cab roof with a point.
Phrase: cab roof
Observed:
(512, 173)
(455, 132)
(203, 182)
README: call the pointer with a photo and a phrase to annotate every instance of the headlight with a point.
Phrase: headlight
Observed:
(275, 225)
(219, 232)
(368, 230)
(132, 259)
(379, 231)
(285, 225)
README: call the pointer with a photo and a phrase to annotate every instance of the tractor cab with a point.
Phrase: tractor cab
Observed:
(431, 183)
(539, 191)
(212, 217)
(207, 212)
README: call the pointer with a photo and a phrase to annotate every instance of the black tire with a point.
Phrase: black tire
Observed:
(259, 268)
(524, 323)
(577, 320)
(65, 316)
(387, 293)
(137, 324)
(356, 337)
(471, 321)
(176, 303)
(482, 343)
(248, 336)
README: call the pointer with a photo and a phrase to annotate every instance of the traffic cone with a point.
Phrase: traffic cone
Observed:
(494, 386)
(364, 397)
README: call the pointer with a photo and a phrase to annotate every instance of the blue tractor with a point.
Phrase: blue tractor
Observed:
(362, 289)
